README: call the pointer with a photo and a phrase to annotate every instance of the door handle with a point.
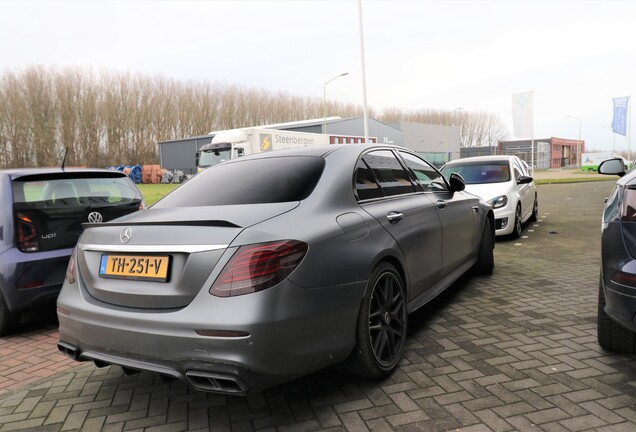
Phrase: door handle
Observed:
(394, 217)
(441, 204)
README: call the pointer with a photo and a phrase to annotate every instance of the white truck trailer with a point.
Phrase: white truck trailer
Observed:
(235, 143)
(591, 161)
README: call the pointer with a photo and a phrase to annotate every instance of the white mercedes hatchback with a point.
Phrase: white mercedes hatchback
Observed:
(504, 182)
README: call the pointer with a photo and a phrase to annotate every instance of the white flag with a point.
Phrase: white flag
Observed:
(522, 114)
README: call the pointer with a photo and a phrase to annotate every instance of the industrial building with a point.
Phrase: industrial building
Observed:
(436, 143)
(548, 152)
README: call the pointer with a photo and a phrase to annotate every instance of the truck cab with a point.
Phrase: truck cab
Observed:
(224, 146)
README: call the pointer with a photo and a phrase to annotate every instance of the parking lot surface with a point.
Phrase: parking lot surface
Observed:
(513, 351)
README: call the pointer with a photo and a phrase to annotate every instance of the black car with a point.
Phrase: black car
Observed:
(617, 286)
(41, 216)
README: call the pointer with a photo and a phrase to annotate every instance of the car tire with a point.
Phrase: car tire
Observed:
(381, 325)
(611, 335)
(535, 210)
(9, 321)
(516, 230)
(486, 260)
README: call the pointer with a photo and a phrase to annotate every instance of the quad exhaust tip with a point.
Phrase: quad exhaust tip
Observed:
(69, 350)
(217, 383)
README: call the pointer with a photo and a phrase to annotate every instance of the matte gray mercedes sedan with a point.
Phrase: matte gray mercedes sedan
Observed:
(272, 266)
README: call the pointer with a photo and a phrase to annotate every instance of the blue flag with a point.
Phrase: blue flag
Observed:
(619, 122)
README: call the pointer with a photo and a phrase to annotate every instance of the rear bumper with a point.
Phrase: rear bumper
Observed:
(620, 304)
(620, 299)
(30, 279)
(292, 331)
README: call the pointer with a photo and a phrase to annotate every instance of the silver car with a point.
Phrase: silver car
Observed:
(272, 266)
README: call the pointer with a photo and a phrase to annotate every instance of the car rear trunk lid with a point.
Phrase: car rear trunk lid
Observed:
(190, 241)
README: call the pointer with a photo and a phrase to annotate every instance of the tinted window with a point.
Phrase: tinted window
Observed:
(480, 172)
(64, 192)
(425, 175)
(392, 177)
(256, 181)
(366, 186)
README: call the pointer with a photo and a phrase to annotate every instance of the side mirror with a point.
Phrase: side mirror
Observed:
(612, 167)
(197, 158)
(525, 179)
(457, 183)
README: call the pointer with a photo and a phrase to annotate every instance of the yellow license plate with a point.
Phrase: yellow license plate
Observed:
(135, 267)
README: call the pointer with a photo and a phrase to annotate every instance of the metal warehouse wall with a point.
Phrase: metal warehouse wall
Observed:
(355, 126)
(430, 138)
(181, 154)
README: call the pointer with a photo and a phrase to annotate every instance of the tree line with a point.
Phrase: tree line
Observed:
(106, 118)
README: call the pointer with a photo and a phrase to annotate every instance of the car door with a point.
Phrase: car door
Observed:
(525, 191)
(386, 191)
(456, 214)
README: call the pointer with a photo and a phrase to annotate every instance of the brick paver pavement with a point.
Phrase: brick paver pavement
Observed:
(513, 351)
(31, 353)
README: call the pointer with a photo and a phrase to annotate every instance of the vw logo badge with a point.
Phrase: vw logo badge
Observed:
(95, 217)
(125, 235)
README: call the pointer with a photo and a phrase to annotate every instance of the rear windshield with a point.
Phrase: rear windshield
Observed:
(256, 181)
(480, 172)
(74, 192)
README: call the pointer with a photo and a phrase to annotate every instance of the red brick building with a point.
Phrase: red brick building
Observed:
(550, 152)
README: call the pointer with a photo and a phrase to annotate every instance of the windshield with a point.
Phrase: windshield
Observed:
(480, 172)
(214, 156)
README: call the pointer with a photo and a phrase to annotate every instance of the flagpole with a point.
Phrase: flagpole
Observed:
(532, 130)
(629, 129)
(365, 111)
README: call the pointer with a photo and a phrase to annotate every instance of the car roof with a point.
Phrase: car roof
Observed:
(482, 159)
(318, 151)
(15, 173)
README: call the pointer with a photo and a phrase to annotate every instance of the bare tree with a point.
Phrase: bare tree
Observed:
(108, 118)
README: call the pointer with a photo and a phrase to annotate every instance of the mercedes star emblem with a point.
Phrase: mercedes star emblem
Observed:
(95, 217)
(125, 235)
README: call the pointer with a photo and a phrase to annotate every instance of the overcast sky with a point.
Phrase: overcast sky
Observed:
(574, 55)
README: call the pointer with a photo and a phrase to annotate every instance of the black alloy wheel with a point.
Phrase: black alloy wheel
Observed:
(9, 321)
(535, 210)
(381, 326)
(387, 319)
(516, 232)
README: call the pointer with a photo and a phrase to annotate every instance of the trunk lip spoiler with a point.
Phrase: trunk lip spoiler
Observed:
(126, 248)
(203, 223)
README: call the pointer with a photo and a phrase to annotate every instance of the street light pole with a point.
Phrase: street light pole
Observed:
(324, 101)
(578, 143)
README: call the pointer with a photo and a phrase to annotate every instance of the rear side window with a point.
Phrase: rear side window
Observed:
(389, 173)
(249, 181)
(366, 186)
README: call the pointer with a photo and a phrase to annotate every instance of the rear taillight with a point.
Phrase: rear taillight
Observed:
(27, 233)
(628, 213)
(70, 270)
(626, 279)
(258, 267)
